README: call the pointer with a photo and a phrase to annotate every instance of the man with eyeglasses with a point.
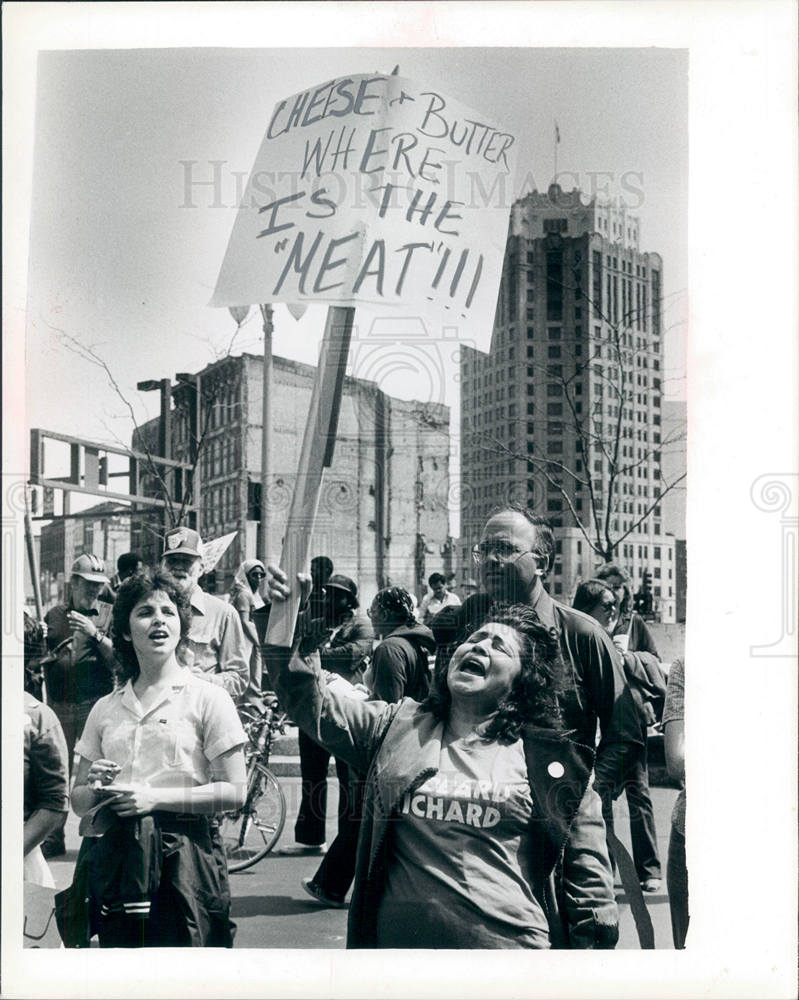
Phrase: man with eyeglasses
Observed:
(515, 553)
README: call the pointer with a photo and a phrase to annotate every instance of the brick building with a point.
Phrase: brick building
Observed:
(97, 530)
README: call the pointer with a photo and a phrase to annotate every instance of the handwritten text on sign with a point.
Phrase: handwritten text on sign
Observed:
(379, 193)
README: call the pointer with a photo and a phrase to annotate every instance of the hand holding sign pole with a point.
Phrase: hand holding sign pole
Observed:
(382, 192)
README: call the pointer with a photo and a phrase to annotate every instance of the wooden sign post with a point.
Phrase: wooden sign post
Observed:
(316, 455)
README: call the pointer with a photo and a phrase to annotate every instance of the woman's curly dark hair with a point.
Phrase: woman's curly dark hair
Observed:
(396, 605)
(534, 697)
(133, 590)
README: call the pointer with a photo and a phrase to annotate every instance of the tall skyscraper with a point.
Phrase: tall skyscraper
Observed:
(564, 413)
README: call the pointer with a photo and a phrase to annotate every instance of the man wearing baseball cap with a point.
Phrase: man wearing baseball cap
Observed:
(216, 648)
(78, 669)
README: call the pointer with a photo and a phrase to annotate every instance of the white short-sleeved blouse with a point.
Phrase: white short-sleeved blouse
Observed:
(172, 743)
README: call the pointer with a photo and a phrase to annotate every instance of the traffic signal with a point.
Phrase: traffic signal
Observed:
(647, 592)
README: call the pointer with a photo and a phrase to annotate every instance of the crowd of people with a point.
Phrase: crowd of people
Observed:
(479, 746)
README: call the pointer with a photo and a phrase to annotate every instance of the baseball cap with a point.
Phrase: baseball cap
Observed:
(184, 541)
(90, 567)
(340, 582)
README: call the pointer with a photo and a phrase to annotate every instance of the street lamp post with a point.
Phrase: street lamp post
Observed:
(239, 314)
(195, 434)
(266, 435)
(164, 386)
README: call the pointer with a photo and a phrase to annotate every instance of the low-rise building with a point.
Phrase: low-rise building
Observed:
(383, 514)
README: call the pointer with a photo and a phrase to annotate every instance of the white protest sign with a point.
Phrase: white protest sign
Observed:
(213, 551)
(373, 189)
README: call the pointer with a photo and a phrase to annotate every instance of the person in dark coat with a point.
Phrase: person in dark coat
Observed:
(79, 668)
(399, 668)
(400, 663)
(343, 638)
(624, 766)
(630, 631)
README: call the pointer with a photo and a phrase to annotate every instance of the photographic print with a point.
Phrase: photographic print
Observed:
(356, 563)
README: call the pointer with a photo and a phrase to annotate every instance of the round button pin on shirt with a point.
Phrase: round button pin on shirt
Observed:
(556, 769)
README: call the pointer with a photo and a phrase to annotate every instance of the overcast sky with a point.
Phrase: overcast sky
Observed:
(126, 248)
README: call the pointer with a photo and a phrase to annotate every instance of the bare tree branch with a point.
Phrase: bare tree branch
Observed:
(616, 358)
(90, 355)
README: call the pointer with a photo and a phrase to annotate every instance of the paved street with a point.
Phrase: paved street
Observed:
(273, 911)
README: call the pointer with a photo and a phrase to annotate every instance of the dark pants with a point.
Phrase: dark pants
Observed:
(335, 874)
(621, 767)
(677, 885)
(72, 717)
(311, 819)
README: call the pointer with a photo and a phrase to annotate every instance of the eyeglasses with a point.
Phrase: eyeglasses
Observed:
(503, 552)
(608, 605)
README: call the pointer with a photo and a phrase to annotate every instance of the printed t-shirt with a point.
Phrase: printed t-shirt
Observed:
(460, 872)
(170, 744)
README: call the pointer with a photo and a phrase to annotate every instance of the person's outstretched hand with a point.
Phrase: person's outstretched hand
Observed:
(277, 585)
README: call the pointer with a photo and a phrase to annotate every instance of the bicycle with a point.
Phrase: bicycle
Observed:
(250, 833)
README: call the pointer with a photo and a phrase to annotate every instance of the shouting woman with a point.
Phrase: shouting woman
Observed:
(480, 828)
(159, 756)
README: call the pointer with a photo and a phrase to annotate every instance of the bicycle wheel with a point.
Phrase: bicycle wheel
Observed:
(250, 834)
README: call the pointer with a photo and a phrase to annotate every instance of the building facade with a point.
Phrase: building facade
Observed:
(99, 530)
(565, 412)
(383, 514)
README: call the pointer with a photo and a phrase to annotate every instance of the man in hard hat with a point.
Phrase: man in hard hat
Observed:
(78, 669)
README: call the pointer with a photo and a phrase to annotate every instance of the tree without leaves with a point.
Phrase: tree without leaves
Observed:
(596, 437)
(178, 502)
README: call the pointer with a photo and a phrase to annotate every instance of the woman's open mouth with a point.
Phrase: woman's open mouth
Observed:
(472, 665)
(159, 634)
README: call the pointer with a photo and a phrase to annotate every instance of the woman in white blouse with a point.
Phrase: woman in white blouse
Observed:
(159, 757)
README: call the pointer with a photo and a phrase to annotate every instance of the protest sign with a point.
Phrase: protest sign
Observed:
(214, 550)
(373, 189)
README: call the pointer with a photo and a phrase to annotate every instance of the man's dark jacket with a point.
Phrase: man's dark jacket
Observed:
(400, 664)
